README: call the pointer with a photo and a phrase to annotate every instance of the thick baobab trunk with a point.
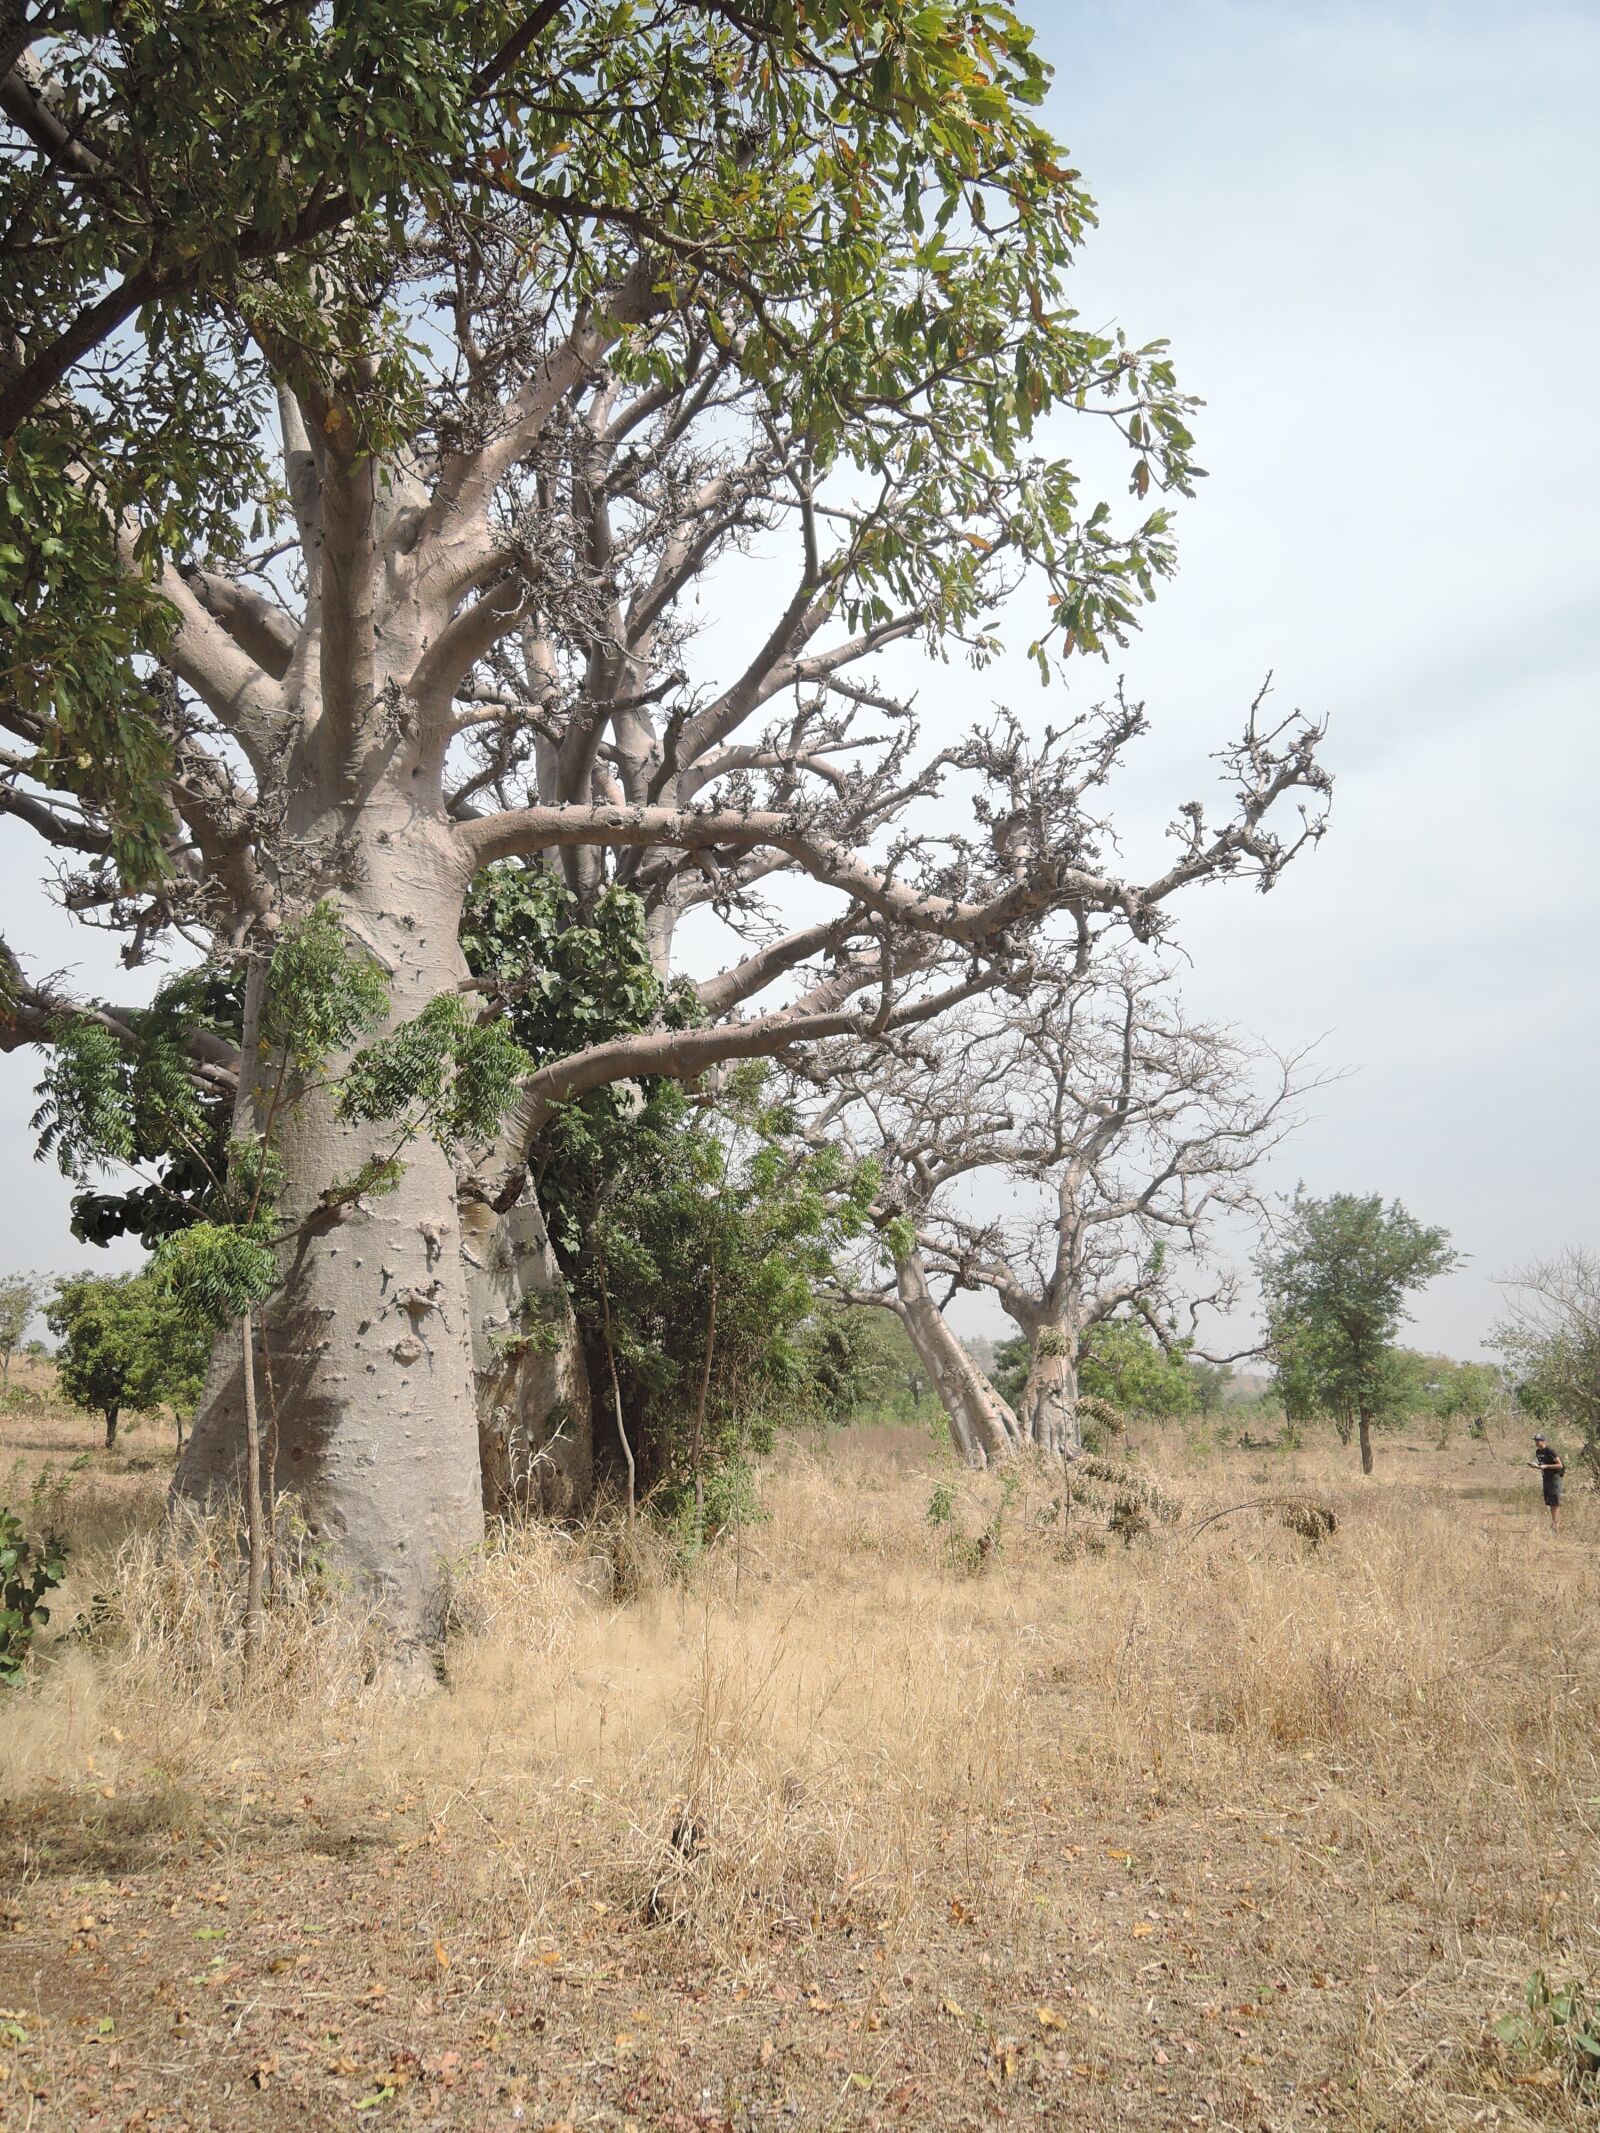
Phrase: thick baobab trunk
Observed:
(535, 1436)
(1366, 1441)
(983, 1428)
(368, 1340)
(1048, 1408)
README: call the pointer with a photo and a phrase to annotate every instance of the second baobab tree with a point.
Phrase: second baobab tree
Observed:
(1129, 1130)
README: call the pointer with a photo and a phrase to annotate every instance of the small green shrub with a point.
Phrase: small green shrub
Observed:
(29, 1568)
(966, 1553)
(1559, 2028)
(729, 1498)
(48, 1491)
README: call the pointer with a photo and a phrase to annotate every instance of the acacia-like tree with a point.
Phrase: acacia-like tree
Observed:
(125, 1346)
(460, 641)
(1132, 1127)
(1335, 1282)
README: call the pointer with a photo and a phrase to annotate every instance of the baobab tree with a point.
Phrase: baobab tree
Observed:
(461, 644)
(893, 1097)
(1133, 1127)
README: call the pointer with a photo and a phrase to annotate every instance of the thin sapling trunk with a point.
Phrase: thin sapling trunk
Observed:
(616, 1390)
(698, 1451)
(254, 1518)
(255, 1521)
(271, 1485)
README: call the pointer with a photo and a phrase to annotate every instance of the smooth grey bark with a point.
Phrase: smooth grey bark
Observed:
(1048, 1407)
(370, 1332)
(982, 1427)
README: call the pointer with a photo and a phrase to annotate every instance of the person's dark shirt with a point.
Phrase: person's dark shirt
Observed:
(1548, 1456)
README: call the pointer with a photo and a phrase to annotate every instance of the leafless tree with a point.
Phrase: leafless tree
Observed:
(1133, 1126)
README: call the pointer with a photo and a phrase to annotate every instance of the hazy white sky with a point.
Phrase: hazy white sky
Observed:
(1371, 234)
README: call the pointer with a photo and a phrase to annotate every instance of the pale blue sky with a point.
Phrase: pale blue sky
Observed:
(1370, 232)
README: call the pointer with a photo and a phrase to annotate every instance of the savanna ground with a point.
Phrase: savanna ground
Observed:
(847, 1827)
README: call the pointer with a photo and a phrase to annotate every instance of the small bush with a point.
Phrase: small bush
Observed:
(1558, 2028)
(729, 1497)
(29, 1568)
(1314, 1522)
(964, 1552)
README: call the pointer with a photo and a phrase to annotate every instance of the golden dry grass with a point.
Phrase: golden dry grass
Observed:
(1218, 1829)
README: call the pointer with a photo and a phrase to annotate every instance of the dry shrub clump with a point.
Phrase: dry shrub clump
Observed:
(147, 1663)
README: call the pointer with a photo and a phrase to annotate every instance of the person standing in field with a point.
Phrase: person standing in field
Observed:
(1551, 1467)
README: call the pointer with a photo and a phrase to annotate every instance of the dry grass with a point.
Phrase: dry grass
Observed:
(845, 1827)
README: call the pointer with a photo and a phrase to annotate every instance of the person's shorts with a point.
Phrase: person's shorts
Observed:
(1552, 1490)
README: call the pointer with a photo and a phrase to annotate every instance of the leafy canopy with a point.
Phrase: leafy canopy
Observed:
(565, 975)
(125, 1343)
(862, 1367)
(656, 1202)
(20, 1297)
(1118, 1361)
(1125, 1364)
(1335, 1290)
(1550, 1338)
(112, 1099)
(856, 202)
(695, 1244)
(30, 1566)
